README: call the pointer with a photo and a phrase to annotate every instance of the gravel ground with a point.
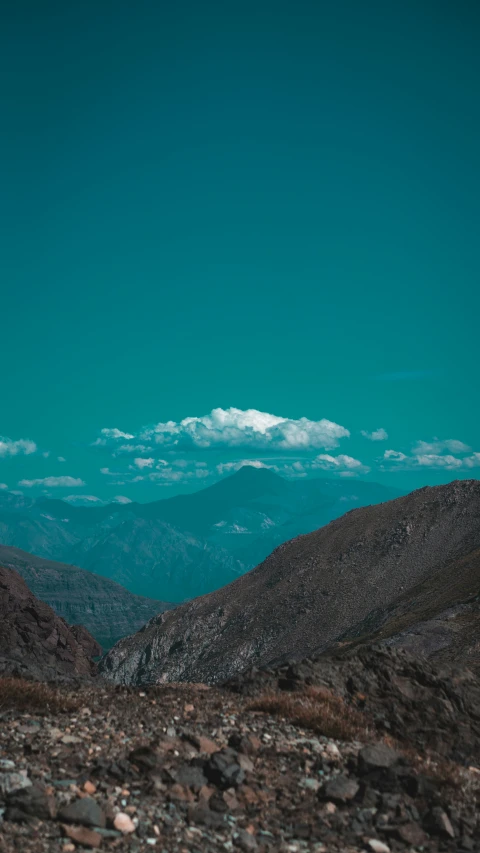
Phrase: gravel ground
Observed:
(190, 768)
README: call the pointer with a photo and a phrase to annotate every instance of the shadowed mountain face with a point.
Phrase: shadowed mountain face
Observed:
(108, 611)
(34, 641)
(315, 588)
(185, 546)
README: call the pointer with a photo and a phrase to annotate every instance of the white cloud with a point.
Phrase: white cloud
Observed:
(84, 500)
(228, 467)
(121, 499)
(24, 446)
(429, 454)
(61, 459)
(437, 447)
(105, 471)
(144, 463)
(472, 461)
(379, 434)
(114, 434)
(433, 460)
(394, 455)
(3, 486)
(232, 428)
(340, 463)
(53, 482)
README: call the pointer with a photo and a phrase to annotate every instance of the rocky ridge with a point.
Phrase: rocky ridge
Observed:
(317, 588)
(34, 641)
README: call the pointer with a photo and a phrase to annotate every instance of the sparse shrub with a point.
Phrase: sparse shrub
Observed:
(32, 696)
(318, 709)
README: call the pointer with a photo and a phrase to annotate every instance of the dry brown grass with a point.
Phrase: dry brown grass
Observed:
(318, 709)
(30, 696)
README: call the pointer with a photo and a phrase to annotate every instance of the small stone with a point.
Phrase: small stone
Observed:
(330, 808)
(89, 787)
(124, 823)
(244, 840)
(68, 848)
(71, 739)
(378, 846)
(188, 708)
(310, 784)
(412, 834)
(438, 823)
(223, 769)
(10, 782)
(34, 802)
(378, 756)
(6, 764)
(341, 789)
(86, 811)
(82, 835)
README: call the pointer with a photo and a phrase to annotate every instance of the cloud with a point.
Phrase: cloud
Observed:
(121, 499)
(144, 463)
(61, 459)
(436, 446)
(377, 435)
(430, 454)
(231, 428)
(3, 486)
(53, 482)
(228, 467)
(433, 460)
(345, 465)
(394, 455)
(83, 500)
(23, 446)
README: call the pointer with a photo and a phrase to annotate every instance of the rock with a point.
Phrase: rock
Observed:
(70, 739)
(437, 822)
(124, 823)
(10, 782)
(82, 835)
(223, 769)
(191, 776)
(341, 789)
(412, 834)
(378, 846)
(144, 757)
(244, 840)
(86, 811)
(377, 756)
(33, 802)
(203, 744)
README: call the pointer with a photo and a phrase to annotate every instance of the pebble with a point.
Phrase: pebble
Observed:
(124, 823)
(378, 846)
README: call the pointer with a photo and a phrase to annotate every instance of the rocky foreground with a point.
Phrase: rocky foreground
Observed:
(375, 753)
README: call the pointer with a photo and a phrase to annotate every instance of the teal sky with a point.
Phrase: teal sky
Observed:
(259, 205)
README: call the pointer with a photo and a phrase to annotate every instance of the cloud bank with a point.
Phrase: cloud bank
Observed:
(229, 428)
(53, 482)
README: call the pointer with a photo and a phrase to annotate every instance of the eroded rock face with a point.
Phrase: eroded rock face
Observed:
(36, 643)
(315, 588)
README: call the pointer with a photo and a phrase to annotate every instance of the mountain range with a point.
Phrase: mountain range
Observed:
(406, 572)
(186, 546)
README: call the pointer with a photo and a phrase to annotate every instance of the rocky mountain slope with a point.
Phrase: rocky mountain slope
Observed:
(314, 589)
(378, 753)
(34, 641)
(105, 608)
(184, 546)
